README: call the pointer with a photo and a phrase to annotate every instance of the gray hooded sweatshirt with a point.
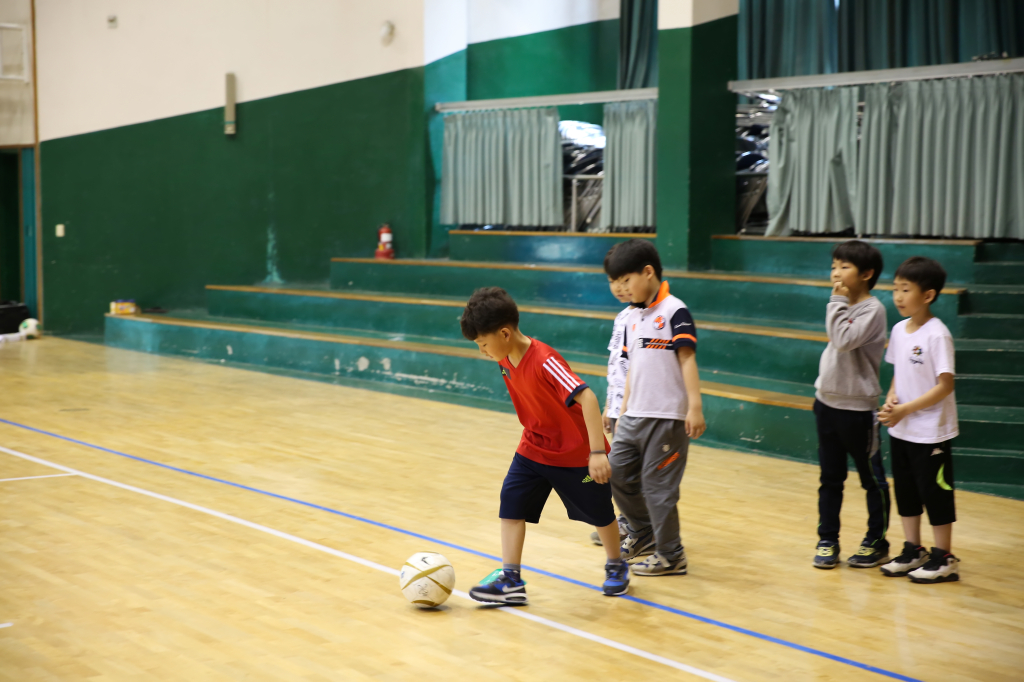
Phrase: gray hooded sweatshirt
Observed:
(848, 371)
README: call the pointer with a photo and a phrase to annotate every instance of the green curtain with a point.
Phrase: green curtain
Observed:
(958, 157)
(892, 34)
(812, 185)
(627, 198)
(780, 38)
(991, 26)
(502, 168)
(638, 44)
(786, 38)
(873, 210)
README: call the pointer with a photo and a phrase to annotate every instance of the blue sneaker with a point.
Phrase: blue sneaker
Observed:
(501, 587)
(616, 579)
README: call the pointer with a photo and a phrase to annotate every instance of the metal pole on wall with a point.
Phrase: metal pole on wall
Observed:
(37, 184)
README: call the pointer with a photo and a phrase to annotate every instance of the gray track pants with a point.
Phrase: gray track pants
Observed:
(648, 458)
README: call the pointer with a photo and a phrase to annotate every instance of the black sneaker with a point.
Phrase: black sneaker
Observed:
(638, 546)
(501, 587)
(941, 567)
(871, 553)
(827, 555)
(913, 556)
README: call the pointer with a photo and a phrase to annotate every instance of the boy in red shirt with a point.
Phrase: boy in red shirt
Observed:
(562, 448)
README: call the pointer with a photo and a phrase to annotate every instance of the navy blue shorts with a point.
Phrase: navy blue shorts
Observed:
(528, 484)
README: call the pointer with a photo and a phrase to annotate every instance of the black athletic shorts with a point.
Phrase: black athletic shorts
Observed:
(923, 476)
(528, 484)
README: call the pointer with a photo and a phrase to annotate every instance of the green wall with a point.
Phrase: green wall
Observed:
(696, 136)
(157, 210)
(10, 228)
(581, 58)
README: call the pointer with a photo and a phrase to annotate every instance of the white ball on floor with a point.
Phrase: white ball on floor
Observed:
(30, 328)
(427, 579)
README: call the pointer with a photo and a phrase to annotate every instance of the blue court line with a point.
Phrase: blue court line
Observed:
(539, 571)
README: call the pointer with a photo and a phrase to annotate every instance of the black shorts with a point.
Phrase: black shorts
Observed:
(528, 484)
(923, 476)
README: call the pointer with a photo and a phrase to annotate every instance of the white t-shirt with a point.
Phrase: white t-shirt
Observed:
(617, 366)
(918, 359)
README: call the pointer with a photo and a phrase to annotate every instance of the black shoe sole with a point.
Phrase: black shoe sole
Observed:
(623, 591)
(826, 567)
(853, 564)
(513, 599)
(931, 581)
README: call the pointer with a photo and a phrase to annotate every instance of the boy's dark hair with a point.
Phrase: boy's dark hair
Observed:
(924, 272)
(632, 256)
(861, 254)
(488, 310)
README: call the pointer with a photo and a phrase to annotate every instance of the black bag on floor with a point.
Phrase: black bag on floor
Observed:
(12, 314)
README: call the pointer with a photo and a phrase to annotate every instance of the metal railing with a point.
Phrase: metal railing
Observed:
(584, 202)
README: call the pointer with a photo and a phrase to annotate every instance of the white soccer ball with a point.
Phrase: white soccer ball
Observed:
(427, 579)
(29, 328)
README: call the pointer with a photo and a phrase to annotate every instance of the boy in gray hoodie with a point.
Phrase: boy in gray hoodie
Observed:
(846, 404)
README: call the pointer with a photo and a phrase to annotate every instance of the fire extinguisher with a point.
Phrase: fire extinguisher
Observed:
(385, 247)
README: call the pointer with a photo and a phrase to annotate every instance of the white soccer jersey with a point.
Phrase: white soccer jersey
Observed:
(653, 335)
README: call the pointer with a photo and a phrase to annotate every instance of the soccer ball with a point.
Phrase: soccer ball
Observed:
(30, 328)
(427, 579)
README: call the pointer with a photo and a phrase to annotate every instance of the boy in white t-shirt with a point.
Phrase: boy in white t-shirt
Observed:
(920, 412)
(617, 368)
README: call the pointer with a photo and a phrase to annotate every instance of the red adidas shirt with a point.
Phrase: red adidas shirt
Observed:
(544, 391)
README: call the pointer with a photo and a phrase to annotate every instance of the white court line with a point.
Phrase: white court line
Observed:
(6, 625)
(377, 567)
(29, 478)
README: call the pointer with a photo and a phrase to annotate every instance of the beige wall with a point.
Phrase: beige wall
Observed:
(17, 120)
(169, 57)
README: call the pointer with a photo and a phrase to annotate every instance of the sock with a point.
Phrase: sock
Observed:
(615, 562)
(512, 568)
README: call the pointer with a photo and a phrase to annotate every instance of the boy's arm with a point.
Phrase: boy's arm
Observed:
(935, 394)
(600, 469)
(848, 333)
(695, 424)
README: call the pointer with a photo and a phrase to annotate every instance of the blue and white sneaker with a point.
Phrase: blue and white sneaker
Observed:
(616, 579)
(659, 565)
(501, 587)
(637, 546)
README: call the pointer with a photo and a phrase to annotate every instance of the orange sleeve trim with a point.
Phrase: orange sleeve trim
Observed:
(684, 336)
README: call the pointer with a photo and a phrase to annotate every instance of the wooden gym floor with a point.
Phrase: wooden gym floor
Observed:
(165, 567)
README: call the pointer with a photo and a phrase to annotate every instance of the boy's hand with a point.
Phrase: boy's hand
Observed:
(606, 423)
(600, 468)
(891, 401)
(695, 425)
(839, 290)
(893, 415)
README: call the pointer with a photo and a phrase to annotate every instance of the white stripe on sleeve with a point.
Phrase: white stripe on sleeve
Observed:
(557, 376)
(561, 374)
(564, 372)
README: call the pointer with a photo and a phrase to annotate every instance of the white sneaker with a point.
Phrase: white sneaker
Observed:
(911, 558)
(942, 567)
